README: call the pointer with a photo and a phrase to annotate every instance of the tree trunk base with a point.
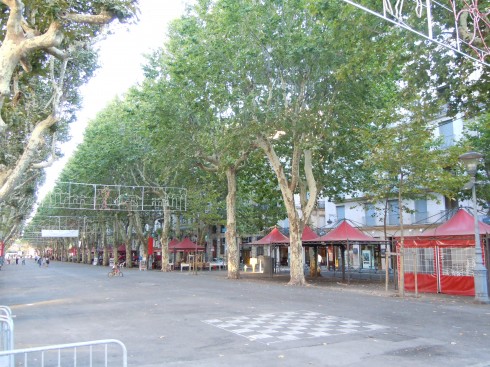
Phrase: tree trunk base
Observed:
(296, 283)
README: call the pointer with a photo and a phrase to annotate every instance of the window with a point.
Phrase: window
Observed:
(421, 211)
(370, 215)
(425, 260)
(446, 131)
(340, 212)
(260, 250)
(393, 213)
(458, 261)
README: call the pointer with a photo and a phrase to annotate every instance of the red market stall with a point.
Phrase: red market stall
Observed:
(186, 245)
(274, 237)
(345, 236)
(443, 259)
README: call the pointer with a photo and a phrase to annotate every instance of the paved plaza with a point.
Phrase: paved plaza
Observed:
(204, 319)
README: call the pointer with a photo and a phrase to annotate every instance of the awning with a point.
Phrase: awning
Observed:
(344, 232)
(274, 237)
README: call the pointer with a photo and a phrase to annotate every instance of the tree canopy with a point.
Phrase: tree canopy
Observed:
(254, 103)
(47, 52)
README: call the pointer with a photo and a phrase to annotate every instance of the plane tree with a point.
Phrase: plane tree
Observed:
(289, 94)
(477, 138)
(193, 111)
(112, 153)
(47, 52)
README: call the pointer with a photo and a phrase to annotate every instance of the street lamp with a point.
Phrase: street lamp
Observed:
(471, 160)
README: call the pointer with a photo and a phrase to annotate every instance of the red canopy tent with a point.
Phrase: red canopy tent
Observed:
(308, 235)
(273, 238)
(462, 224)
(344, 233)
(186, 245)
(445, 256)
(173, 242)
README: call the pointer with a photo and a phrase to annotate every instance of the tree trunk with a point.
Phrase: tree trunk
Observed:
(402, 240)
(297, 276)
(233, 253)
(165, 238)
(126, 232)
(296, 223)
(115, 252)
(178, 231)
(142, 239)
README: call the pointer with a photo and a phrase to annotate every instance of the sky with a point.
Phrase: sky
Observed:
(121, 60)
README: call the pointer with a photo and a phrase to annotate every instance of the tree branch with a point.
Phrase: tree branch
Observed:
(104, 17)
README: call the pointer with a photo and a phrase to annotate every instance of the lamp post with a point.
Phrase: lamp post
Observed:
(471, 160)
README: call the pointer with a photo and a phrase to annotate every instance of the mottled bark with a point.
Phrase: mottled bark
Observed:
(165, 237)
(233, 251)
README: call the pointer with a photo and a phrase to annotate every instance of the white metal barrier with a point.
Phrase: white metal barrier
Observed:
(91, 353)
(6, 328)
(6, 335)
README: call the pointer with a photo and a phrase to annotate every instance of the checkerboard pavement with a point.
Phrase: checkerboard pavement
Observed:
(289, 326)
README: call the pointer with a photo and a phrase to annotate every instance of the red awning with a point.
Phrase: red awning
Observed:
(274, 237)
(345, 232)
(187, 245)
(308, 236)
(461, 224)
(174, 242)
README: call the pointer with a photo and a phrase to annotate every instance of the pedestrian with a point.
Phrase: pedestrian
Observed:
(47, 261)
(40, 261)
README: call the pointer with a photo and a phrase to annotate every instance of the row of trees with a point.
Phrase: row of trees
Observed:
(47, 52)
(251, 104)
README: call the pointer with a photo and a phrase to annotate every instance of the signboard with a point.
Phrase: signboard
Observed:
(59, 233)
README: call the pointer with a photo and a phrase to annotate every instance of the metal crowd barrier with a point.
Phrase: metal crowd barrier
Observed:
(6, 329)
(91, 353)
(6, 335)
(108, 352)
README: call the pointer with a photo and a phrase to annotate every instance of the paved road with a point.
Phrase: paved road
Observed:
(181, 319)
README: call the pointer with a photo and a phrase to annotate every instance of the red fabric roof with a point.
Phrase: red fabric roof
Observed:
(345, 232)
(461, 224)
(274, 237)
(187, 245)
(174, 242)
(308, 235)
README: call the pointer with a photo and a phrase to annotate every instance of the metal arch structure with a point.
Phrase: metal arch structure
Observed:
(420, 17)
(82, 196)
(35, 231)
